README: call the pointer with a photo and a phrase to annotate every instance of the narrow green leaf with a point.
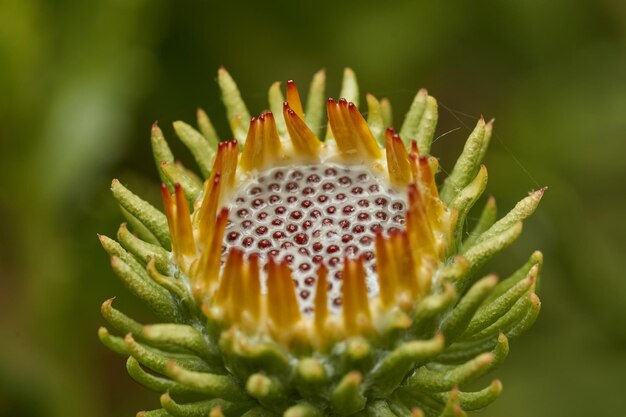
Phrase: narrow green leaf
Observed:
(207, 129)
(161, 152)
(390, 372)
(489, 313)
(466, 166)
(142, 250)
(375, 119)
(120, 321)
(463, 351)
(452, 407)
(316, 103)
(276, 100)
(146, 357)
(269, 392)
(138, 227)
(171, 284)
(454, 271)
(412, 120)
(231, 96)
(446, 379)
(216, 386)
(471, 401)
(385, 110)
(434, 304)
(350, 87)
(465, 200)
(486, 139)
(192, 188)
(177, 334)
(114, 343)
(113, 248)
(484, 250)
(487, 218)
(259, 356)
(535, 259)
(456, 322)
(508, 320)
(520, 212)
(199, 146)
(150, 217)
(239, 128)
(358, 354)
(153, 382)
(310, 378)
(347, 398)
(198, 409)
(158, 299)
(427, 126)
(157, 360)
(501, 351)
(529, 318)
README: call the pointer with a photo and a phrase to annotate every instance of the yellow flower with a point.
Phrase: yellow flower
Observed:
(320, 276)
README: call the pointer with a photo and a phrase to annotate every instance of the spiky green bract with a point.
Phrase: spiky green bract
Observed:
(451, 336)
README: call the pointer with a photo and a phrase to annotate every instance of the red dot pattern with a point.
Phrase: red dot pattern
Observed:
(315, 214)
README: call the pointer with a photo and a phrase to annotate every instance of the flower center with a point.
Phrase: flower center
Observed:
(313, 214)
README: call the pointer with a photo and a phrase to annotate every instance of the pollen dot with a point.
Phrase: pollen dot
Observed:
(345, 180)
(328, 186)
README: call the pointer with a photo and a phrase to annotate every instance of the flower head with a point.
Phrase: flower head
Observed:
(308, 277)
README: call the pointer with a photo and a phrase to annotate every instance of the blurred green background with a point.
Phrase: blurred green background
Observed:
(81, 83)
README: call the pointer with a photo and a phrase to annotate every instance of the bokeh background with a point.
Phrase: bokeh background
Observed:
(81, 83)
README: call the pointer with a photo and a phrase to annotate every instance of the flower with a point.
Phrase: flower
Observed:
(308, 277)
